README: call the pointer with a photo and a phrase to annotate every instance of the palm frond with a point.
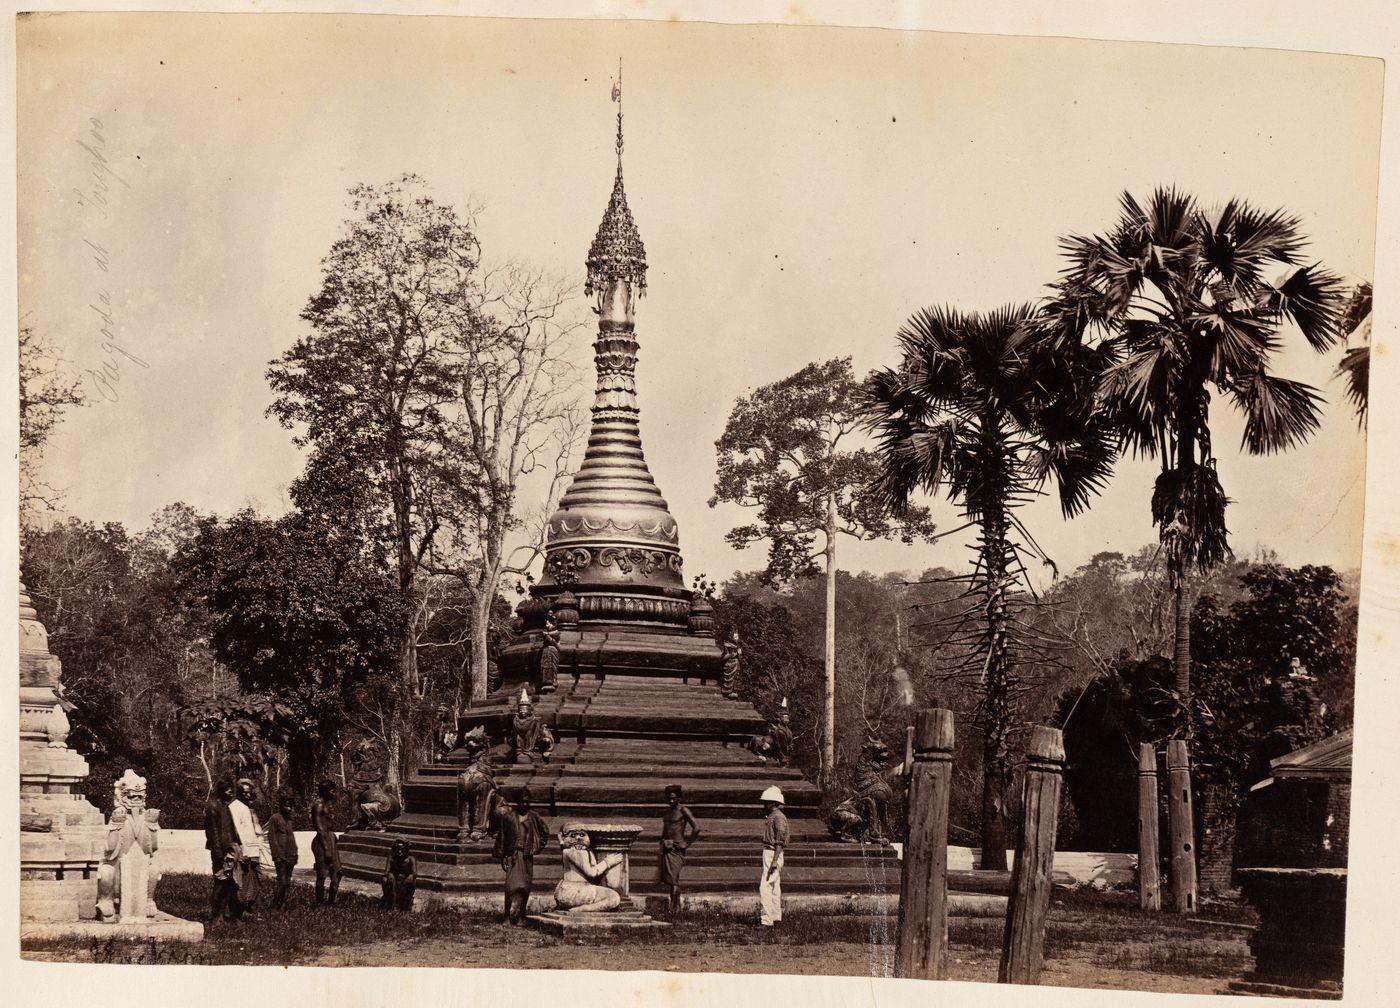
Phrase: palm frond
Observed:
(1312, 298)
(1354, 369)
(1279, 413)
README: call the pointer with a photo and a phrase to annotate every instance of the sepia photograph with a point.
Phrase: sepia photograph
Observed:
(543, 494)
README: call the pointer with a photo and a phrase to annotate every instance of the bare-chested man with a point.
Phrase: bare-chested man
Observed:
(324, 852)
(678, 831)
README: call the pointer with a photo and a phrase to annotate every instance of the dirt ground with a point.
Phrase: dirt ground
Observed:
(825, 959)
(1092, 941)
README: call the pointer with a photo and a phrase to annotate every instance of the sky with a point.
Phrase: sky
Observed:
(800, 191)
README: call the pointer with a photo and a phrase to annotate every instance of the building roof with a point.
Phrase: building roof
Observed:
(1328, 760)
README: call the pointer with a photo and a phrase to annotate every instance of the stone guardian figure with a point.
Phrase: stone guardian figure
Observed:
(127, 876)
(477, 795)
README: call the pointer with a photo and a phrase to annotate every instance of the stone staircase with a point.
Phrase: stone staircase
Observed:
(619, 742)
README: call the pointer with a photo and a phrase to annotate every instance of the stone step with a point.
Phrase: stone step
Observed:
(456, 854)
(715, 829)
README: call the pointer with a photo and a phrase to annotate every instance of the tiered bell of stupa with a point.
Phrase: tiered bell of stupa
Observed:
(612, 526)
(612, 548)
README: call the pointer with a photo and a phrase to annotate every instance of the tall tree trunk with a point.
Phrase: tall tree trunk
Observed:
(1181, 650)
(996, 750)
(829, 752)
(481, 625)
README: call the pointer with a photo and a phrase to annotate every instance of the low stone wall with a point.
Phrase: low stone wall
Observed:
(183, 851)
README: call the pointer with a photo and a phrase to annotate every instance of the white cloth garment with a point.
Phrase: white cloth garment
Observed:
(770, 889)
(251, 835)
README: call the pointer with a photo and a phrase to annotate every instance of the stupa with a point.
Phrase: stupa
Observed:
(622, 664)
(613, 581)
(63, 837)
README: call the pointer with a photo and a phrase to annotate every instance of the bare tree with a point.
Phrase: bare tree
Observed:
(45, 392)
(516, 417)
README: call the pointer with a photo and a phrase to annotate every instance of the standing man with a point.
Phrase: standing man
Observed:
(283, 844)
(252, 838)
(678, 831)
(521, 836)
(221, 840)
(324, 853)
(775, 838)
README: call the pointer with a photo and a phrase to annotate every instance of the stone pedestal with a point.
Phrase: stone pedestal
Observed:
(1299, 947)
(604, 839)
(614, 839)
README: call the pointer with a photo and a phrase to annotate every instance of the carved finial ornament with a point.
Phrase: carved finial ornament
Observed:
(617, 252)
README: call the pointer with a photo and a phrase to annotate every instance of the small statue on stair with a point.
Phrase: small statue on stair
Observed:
(549, 654)
(864, 816)
(476, 788)
(530, 736)
(376, 803)
(776, 741)
(733, 654)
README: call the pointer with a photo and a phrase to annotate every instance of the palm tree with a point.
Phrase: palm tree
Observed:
(1355, 366)
(1191, 302)
(987, 409)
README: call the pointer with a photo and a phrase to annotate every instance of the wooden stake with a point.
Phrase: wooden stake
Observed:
(922, 952)
(1149, 859)
(1181, 824)
(1023, 942)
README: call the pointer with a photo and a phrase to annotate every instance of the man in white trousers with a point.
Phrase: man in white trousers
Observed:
(775, 838)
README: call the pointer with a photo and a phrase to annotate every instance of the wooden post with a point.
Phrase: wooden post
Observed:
(1023, 942)
(1181, 824)
(1149, 859)
(922, 952)
(908, 752)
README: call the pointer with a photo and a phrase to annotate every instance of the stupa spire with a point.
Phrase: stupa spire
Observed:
(612, 507)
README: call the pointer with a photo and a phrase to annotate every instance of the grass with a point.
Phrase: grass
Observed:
(1086, 931)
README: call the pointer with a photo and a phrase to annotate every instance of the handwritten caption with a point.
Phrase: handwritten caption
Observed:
(95, 198)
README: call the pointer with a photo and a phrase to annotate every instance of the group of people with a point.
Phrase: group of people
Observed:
(243, 850)
(522, 835)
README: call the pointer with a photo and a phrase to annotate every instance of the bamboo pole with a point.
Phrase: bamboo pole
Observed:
(1023, 941)
(1149, 858)
(1181, 825)
(922, 952)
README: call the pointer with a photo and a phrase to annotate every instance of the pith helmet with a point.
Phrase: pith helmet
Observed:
(773, 795)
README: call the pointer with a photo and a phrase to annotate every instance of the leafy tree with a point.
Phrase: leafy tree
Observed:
(251, 728)
(133, 650)
(1253, 704)
(987, 409)
(1184, 296)
(366, 388)
(785, 452)
(303, 619)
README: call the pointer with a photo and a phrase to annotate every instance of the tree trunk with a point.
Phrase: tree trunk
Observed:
(829, 754)
(996, 754)
(481, 625)
(1181, 653)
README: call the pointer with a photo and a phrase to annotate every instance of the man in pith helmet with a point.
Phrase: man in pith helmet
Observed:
(775, 838)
